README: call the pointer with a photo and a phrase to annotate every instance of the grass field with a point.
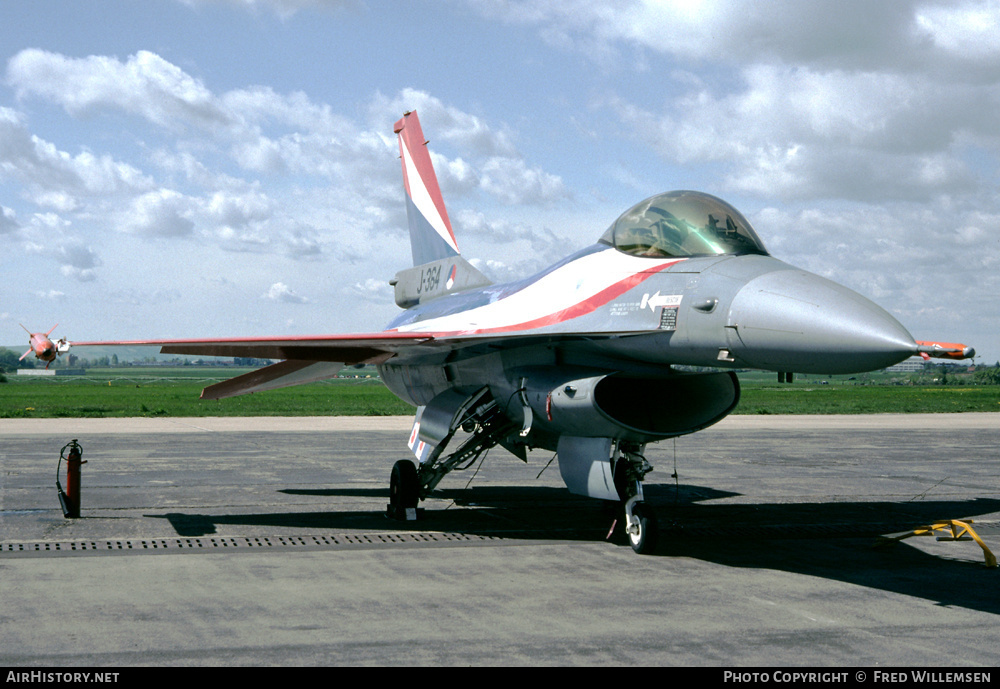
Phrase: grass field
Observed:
(126, 392)
(175, 392)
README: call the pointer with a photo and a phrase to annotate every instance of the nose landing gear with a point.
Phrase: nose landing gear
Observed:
(640, 526)
(640, 520)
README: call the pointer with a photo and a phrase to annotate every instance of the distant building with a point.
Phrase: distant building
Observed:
(914, 363)
(51, 372)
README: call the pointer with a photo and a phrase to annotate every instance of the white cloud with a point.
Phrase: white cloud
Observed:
(76, 260)
(456, 177)
(302, 242)
(510, 180)
(161, 213)
(526, 248)
(279, 291)
(374, 290)
(145, 85)
(239, 210)
(799, 133)
(854, 34)
(49, 222)
(263, 131)
(57, 178)
(442, 122)
(263, 105)
(969, 30)
(8, 221)
(60, 201)
(314, 139)
(863, 99)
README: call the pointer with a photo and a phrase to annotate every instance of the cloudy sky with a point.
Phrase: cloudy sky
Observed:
(183, 168)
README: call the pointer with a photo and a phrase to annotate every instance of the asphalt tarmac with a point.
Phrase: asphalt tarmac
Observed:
(264, 542)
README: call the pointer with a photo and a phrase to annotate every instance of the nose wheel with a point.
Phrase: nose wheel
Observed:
(640, 526)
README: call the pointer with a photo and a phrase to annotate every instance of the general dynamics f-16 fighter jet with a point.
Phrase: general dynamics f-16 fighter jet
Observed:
(591, 357)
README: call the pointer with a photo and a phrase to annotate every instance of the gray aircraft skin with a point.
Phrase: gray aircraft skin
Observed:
(594, 357)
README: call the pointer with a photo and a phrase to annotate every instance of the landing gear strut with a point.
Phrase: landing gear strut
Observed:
(480, 416)
(640, 521)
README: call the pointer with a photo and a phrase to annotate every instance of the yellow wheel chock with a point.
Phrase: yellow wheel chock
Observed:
(960, 531)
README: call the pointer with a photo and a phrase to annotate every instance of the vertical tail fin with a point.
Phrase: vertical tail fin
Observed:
(431, 236)
(439, 268)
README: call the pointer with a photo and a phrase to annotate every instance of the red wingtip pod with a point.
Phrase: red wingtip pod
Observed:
(42, 347)
(944, 350)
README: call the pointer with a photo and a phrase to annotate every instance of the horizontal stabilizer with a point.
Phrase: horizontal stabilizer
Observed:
(436, 279)
(281, 375)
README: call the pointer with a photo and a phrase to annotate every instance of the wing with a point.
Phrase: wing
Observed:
(311, 358)
(306, 358)
(352, 349)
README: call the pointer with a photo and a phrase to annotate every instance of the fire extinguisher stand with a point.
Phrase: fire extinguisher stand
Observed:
(70, 499)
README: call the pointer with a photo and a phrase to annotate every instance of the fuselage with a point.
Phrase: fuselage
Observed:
(602, 344)
(624, 312)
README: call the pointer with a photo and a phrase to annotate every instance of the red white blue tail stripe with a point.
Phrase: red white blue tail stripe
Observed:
(431, 236)
(572, 290)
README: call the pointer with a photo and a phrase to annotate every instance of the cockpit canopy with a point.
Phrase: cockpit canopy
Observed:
(680, 224)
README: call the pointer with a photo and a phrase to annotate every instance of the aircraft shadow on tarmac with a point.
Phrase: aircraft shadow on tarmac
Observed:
(829, 540)
(534, 512)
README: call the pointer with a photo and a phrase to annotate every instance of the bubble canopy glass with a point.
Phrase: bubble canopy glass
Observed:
(683, 223)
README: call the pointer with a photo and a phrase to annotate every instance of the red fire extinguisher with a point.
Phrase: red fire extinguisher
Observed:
(70, 499)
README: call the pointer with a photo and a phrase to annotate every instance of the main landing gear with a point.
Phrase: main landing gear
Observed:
(487, 426)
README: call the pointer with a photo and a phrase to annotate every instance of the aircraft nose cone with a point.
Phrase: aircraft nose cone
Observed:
(791, 320)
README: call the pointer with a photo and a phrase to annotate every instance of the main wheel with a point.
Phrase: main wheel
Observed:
(643, 538)
(404, 488)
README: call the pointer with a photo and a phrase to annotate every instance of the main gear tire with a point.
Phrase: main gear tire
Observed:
(404, 489)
